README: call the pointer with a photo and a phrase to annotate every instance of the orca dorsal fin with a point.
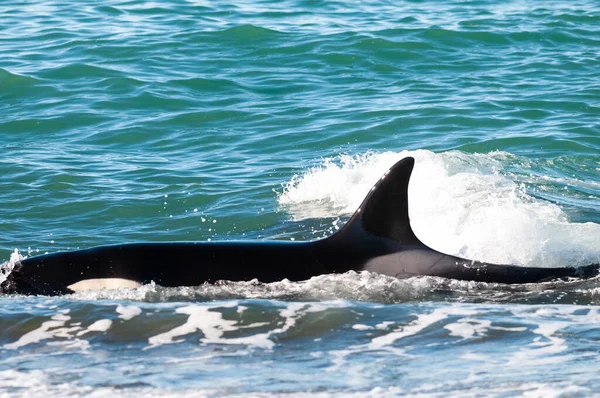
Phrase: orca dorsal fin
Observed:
(384, 212)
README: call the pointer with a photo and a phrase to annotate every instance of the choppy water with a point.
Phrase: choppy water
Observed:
(188, 120)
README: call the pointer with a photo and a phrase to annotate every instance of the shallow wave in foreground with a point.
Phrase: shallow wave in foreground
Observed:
(272, 348)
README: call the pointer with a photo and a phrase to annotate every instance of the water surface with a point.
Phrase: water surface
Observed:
(186, 120)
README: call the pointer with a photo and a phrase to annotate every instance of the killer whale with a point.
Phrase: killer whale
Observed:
(377, 238)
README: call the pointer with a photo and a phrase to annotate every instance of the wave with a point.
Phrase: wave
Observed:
(9, 80)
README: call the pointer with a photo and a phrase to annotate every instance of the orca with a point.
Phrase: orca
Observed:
(377, 238)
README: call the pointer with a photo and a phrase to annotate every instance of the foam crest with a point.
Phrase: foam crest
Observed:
(461, 204)
(422, 322)
(201, 319)
(467, 328)
(213, 326)
(551, 347)
(361, 286)
(337, 187)
(128, 312)
(53, 328)
(61, 330)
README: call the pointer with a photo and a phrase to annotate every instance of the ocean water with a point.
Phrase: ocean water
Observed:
(188, 120)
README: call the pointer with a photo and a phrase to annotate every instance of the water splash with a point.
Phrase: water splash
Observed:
(7, 267)
(462, 204)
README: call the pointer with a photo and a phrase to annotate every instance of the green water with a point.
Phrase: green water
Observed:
(131, 120)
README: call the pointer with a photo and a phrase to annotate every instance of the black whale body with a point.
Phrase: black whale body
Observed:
(378, 238)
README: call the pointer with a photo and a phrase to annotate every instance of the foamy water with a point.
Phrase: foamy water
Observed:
(268, 348)
(467, 205)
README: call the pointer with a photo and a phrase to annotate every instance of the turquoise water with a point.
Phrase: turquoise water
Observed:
(187, 120)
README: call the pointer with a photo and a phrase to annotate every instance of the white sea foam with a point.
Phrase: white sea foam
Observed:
(28, 383)
(200, 319)
(551, 347)
(213, 326)
(128, 312)
(467, 328)
(101, 325)
(360, 326)
(362, 286)
(460, 204)
(408, 336)
(422, 322)
(54, 328)
(60, 330)
(384, 325)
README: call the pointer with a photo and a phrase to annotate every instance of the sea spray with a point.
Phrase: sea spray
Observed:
(462, 204)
